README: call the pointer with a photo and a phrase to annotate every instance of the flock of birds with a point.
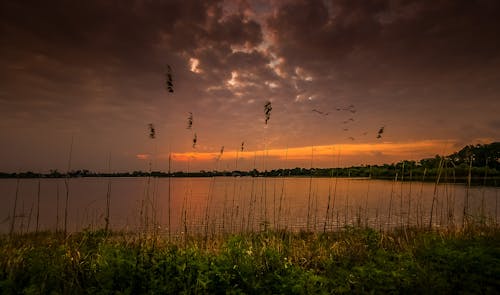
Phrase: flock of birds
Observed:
(351, 109)
(169, 85)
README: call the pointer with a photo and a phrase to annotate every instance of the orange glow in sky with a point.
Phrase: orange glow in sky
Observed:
(326, 155)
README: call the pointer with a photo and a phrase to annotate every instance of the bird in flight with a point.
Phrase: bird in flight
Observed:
(320, 112)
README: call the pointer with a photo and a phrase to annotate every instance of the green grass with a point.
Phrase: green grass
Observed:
(353, 260)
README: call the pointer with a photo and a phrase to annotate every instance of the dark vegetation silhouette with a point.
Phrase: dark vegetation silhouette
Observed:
(485, 161)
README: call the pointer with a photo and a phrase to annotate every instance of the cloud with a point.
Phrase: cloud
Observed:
(425, 70)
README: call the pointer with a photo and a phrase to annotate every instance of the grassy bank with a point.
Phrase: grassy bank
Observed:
(353, 260)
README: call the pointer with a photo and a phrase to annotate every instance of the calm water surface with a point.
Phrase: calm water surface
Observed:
(233, 204)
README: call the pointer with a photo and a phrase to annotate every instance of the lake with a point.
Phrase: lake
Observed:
(235, 204)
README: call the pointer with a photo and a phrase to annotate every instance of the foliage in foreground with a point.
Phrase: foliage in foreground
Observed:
(351, 261)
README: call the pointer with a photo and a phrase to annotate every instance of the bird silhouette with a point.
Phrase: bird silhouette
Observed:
(320, 112)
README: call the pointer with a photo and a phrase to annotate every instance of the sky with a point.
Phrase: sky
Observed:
(87, 77)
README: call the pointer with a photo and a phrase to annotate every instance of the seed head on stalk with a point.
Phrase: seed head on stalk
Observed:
(152, 132)
(380, 132)
(221, 153)
(267, 111)
(242, 145)
(190, 120)
(168, 80)
(195, 139)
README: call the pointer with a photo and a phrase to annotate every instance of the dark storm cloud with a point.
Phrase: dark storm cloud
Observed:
(424, 69)
(65, 49)
(97, 67)
(393, 57)
(417, 34)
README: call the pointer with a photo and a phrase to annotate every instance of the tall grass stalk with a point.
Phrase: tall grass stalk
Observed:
(38, 206)
(29, 216)
(66, 183)
(435, 194)
(14, 209)
(169, 203)
(409, 198)
(329, 195)
(496, 204)
(146, 201)
(453, 198)
(346, 207)
(187, 192)
(315, 195)
(21, 227)
(310, 191)
(274, 204)
(265, 221)
(57, 205)
(419, 201)
(446, 207)
(233, 201)
(391, 199)
(465, 217)
(367, 195)
(108, 196)
(267, 114)
(483, 216)
(335, 189)
(209, 201)
(402, 195)
(253, 198)
(282, 194)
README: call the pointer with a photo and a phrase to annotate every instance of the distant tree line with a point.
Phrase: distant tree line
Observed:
(481, 161)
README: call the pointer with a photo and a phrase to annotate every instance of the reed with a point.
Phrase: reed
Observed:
(253, 199)
(346, 205)
(483, 189)
(496, 205)
(14, 209)
(66, 184)
(235, 184)
(335, 189)
(29, 216)
(367, 195)
(435, 193)
(420, 210)
(282, 193)
(408, 222)
(309, 192)
(267, 116)
(401, 195)
(108, 196)
(38, 206)
(169, 200)
(391, 200)
(210, 196)
(465, 214)
(57, 206)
